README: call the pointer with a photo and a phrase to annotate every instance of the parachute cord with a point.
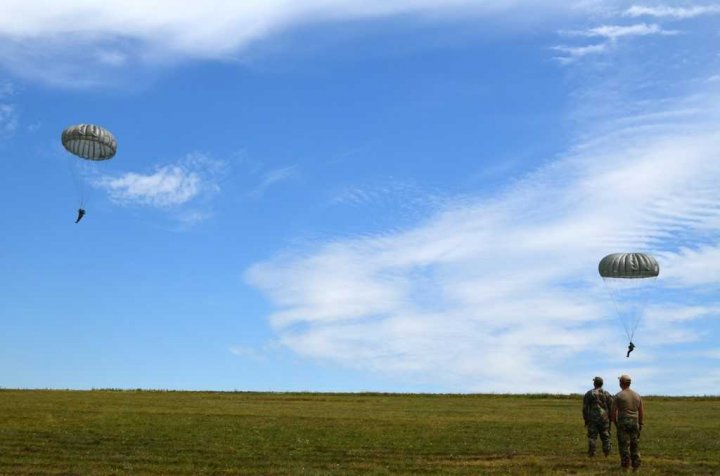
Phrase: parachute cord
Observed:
(639, 317)
(617, 311)
(79, 187)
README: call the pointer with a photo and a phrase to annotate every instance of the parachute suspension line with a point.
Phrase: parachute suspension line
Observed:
(89, 142)
(77, 181)
(619, 315)
(639, 316)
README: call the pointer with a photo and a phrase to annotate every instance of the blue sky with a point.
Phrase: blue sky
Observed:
(403, 196)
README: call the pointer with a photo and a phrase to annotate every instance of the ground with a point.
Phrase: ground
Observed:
(157, 432)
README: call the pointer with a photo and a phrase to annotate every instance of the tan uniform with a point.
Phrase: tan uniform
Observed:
(629, 408)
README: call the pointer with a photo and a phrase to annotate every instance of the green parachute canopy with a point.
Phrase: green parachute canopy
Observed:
(89, 141)
(629, 266)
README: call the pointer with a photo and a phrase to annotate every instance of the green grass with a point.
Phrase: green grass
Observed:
(146, 432)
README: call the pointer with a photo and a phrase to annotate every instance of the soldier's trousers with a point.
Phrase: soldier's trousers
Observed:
(628, 436)
(601, 429)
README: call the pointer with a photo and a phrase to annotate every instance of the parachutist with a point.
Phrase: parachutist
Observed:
(631, 347)
(81, 213)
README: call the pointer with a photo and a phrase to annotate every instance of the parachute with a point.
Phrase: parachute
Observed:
(89, 142)
(629, 279)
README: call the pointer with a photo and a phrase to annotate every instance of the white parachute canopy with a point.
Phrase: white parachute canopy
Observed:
(89, 141)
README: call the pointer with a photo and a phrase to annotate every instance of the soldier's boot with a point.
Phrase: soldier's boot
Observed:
(591, 447)
(606, 450)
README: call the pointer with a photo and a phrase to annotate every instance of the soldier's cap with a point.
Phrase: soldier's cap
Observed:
(598, 380)
(625, 378)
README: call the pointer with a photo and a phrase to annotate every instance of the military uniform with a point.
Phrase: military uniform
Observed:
(597, 404)
(628, 417)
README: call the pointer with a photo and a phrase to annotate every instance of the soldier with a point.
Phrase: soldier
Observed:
(597, 404)
(628, 415)
(81, 213)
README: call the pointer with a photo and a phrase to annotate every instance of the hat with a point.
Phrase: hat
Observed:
(598, 380)
(625, 378)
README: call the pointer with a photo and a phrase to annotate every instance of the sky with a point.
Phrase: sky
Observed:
(360, 195)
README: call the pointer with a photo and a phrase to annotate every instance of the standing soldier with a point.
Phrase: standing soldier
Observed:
(628, 414)
(597, 404)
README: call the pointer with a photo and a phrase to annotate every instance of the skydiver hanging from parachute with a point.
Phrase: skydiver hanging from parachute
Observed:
(624, 275)
(90, 142)
(81, 213)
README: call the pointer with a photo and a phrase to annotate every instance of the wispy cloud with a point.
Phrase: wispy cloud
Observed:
(8, 120)
(272, 178)
(389, 200)
(247, 352)
(573, 53)
(8, 112)
(501, 294)
(166, 186)
(613, 32)
(87, 45)
(672, 12)
(387, 191)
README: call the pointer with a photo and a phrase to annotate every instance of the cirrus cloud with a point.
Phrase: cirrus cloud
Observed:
(86, 44)
(672, 12)
(502, 294)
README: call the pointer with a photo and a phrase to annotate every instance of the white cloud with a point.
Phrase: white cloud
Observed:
(384, 193)
(613, 32)
(247, 352)
(573, 53)
(83, 43)
(8, 112)
(502, 294)
(165, 187)
(272, 178)
(8, 119)
(673, 12)
(694, 266)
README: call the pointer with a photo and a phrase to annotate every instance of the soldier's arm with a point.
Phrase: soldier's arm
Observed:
(610, 402)
(613, 414)
(586, 410)
(641, 413)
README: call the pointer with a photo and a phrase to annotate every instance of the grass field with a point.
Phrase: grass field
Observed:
(146, 432)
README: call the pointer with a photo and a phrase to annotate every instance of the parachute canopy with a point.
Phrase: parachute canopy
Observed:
(89, 141)
(628, 266)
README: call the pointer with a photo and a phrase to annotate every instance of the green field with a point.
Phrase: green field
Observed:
(147, 432)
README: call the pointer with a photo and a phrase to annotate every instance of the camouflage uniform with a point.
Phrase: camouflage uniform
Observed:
(597, 404)
(628, 435)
